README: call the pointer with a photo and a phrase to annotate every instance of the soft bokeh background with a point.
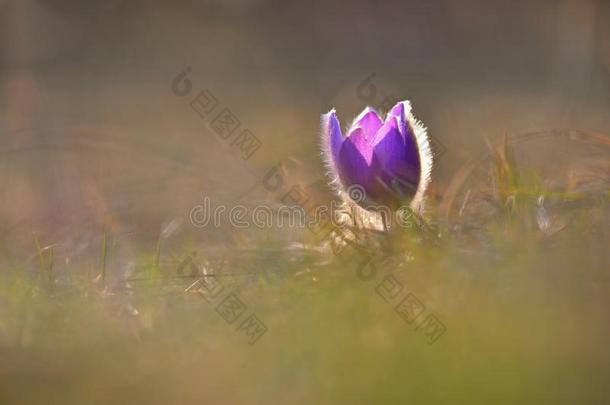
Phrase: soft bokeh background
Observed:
(90, 83)
(93, 140)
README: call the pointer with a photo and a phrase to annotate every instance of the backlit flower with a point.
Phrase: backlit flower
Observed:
(389, 162)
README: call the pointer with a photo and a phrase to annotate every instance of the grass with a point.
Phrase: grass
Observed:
(529, 324)
(525, 312)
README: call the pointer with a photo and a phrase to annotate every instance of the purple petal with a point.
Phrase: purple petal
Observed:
(411, 170)
(399, 162)
(400, 111)
(390, 126)
(358, 141)
(389, 148)
(332, 136)
(399, 158)
(369, 121)
(355, 160)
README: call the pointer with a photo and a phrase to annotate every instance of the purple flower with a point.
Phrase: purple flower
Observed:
(388, 162)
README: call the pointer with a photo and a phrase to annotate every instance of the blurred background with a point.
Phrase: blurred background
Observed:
(107, 127)
(92, 132)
